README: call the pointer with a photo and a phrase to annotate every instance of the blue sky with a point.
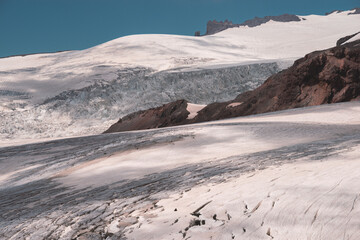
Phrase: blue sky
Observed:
(31, 26)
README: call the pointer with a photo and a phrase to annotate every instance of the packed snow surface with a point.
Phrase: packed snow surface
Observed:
(288, 175)
(193, 109)
(82, 92)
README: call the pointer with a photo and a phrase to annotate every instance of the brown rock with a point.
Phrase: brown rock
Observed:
(170, 114)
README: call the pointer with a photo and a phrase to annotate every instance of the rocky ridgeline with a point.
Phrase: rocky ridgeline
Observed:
(346, 38)
(356, 11)
(214, 26)
(322, 77)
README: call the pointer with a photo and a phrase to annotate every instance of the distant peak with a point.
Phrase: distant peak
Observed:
(355, 11)
(215, 26)
(333, 11)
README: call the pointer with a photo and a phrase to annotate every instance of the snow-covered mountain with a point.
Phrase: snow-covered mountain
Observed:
(75, 92)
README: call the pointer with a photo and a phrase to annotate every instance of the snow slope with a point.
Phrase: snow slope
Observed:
(286, 175)
(132, 64)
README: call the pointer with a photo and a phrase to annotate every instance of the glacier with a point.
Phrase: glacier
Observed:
(76, 93)
(90, 110)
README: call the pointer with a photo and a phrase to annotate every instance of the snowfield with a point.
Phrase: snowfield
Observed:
(77, 93)
(292, 174)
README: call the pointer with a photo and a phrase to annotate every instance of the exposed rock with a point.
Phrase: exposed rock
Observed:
(197, 33)
(357, 11)
(215, 27)
(282, 18)
(344, 39)
(334, 11)
(321, 77)
(170, 114)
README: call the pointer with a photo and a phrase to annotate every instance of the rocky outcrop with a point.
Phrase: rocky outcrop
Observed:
(215, 26)
(321, 77)
(333, 11)
(282, 18)
(170, 114)
(346, 38)
(357, 11)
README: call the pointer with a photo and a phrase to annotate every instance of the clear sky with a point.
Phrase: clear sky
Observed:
(31, 26)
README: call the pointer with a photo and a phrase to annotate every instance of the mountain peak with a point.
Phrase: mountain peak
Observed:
(215, 26)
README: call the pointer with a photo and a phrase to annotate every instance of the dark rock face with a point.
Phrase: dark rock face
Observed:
(344, 39)
(321, 77)
(170, 114)
(357, 11)
(215, 27)
(282, 18)
(334, 11)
